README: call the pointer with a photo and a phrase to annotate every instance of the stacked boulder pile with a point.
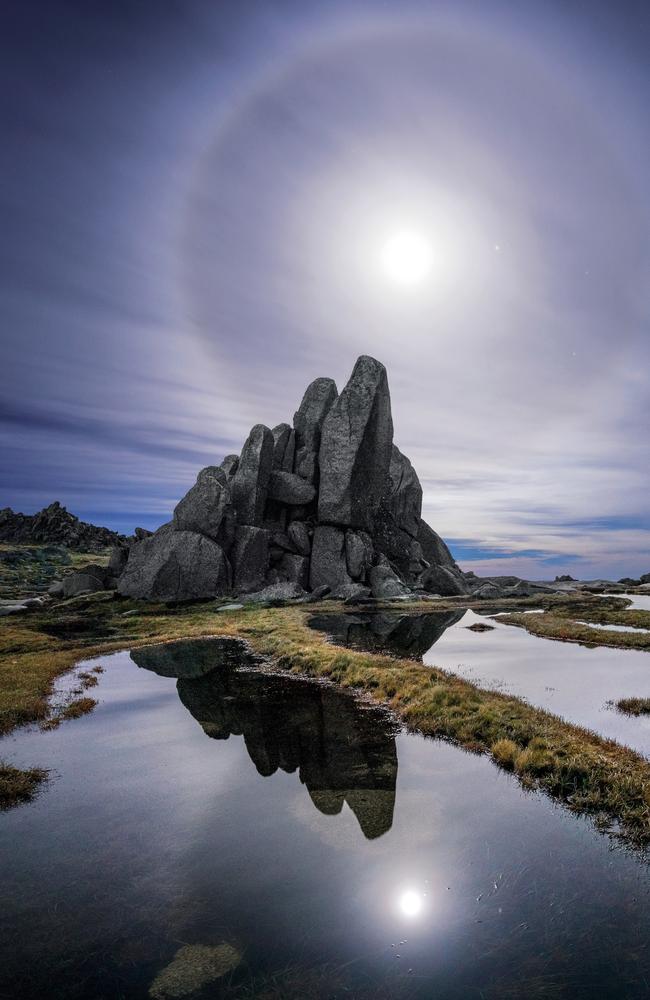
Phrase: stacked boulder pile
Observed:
(327, 506)
(54, 525)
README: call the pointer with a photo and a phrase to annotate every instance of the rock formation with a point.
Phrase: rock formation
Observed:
(330, 503)
(54, 525)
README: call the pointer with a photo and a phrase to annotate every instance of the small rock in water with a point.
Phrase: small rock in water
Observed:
(192, 968)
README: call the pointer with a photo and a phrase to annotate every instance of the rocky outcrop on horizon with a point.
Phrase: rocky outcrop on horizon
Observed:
(54, 525)
(328, 504)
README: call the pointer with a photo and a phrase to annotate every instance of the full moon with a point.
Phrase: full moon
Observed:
(406, 257)
(410, 903)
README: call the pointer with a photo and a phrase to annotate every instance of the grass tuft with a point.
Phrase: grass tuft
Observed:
(634, 706)
(78, 707)
(17, 786)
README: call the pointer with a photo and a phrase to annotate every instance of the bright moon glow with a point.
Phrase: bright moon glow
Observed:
(406, 258)
(410, 903)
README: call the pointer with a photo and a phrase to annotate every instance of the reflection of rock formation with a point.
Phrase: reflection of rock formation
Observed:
(400, 635)
(343, 752)
(190, 658)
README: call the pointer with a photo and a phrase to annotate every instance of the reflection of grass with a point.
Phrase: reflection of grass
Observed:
(634, 706)
(587, 772)
(559, 622)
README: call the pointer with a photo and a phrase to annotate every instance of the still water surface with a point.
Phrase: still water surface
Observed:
(338, 856)
(577, 682)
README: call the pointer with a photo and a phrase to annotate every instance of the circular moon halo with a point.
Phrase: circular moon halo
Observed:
(410, 903)
(406, 258)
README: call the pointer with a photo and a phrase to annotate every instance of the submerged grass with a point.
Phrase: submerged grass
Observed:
(586, 772)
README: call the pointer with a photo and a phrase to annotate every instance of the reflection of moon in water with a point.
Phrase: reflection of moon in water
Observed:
(411, 903)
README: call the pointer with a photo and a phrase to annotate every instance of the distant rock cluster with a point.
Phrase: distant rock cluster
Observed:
(54, 525)
(328, 505)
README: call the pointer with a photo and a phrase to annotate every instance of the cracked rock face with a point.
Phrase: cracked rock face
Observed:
(355, 449)
(308, 422)
(328, 505)
(251, 480)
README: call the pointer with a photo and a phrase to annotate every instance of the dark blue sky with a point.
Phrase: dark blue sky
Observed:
(194, 198)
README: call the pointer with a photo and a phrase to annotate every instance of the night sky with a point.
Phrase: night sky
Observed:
(194, 200)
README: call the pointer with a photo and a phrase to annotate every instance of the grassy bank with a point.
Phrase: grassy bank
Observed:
(569, 621)
(589, 774)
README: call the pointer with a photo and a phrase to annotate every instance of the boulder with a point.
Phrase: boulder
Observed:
(288, 488)
(249, 484)
(308, 422)
(358, 553)
(117, 560)
(434, 549)
(404, 499)
(284, 446)
(298, 534)
(351, 592)
(175, 566)
(316, 595)
(295, 569)
(83, 581)
(385, 583)
(402, 550)
(249, 557)
(230, 465)
(328, 562)
(140, 533)
(355, 449)
(55, 589)
(282, 591)
(207, 508)
(281, 540)
(442, 580)
(487, 590)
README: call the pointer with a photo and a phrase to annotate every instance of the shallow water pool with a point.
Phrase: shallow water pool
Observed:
(334, 855)
(580, 683)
